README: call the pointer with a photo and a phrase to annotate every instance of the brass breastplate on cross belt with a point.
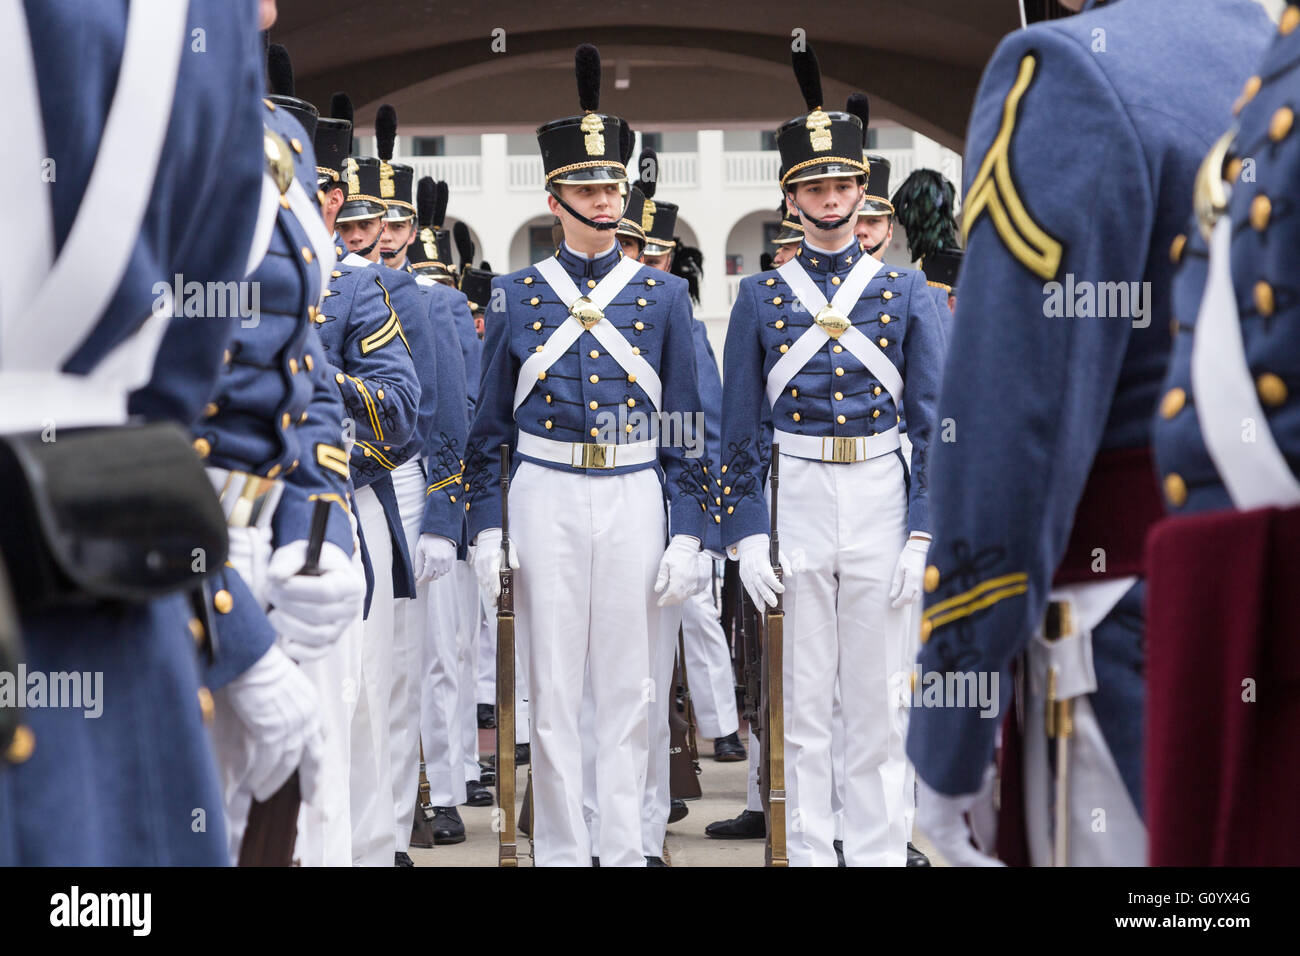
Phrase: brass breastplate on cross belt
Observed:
(834, 322)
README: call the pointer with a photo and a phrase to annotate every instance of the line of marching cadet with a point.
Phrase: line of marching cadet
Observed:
(279, 536)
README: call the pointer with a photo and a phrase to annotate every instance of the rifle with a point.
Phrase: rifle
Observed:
(690, 706)
(506, 683)
(683, 759)
(773, 656)
(272, 828)
(1059, 724)
(422, 825)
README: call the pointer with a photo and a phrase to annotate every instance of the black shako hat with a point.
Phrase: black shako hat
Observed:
(819, 145)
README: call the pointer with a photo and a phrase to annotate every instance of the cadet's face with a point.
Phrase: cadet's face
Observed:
(478, 324)
(398, 234)
(662, 263)
(631, 248)
(873, 229)
(266, 13)
(600, 202)
(952, 302)
(784, 253)
(828, 199)
(360, 233)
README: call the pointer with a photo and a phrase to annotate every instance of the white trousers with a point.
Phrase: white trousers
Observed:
(325, 828)
(440, 704)
(1104, 826)
(842, 528)
(408, 659)
(708, 667)
(371, 771)
(657, 800)
(249, 555)
(470, 609)
(589, 549)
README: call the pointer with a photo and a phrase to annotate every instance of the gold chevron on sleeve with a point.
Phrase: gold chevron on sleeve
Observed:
(983, 595)
(391, 329)
(994, 192)
(377, 340)
(449, 480)
(335, 459)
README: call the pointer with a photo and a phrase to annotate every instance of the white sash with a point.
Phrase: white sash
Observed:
(1255, 473)
(308, 212)
(570, 330)
(22, 148)
(814, 337)
(268, 209)
(45, 331)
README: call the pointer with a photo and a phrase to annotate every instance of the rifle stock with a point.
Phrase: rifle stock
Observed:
(506, 837)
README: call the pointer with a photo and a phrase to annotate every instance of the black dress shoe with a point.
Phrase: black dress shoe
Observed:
(915, 857)
(595, 861)
(677, 809)
(402, 859)
(523, 754)
(655, 861)
(422, 827)
(839, 852)
(729, 749)
(487, 716)
(487, 772)
(750, 825)
(477, 795)
(447, 826)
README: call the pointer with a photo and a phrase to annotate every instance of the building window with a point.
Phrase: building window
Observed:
(653, 141)
(769, 140)
(770, 230)
(541, 243)
(428, 146)
(871, 138)
(735, 264)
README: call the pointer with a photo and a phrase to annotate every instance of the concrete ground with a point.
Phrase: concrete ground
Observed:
(724, 797)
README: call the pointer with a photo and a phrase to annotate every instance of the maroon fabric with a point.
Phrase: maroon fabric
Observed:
(1120, 503)
(1012, 841)
(1223, 606)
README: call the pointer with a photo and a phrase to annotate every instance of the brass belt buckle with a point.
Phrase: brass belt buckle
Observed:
(841, 449)
(594, 456)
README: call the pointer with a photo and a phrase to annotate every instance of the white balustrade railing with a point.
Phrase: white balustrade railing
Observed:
(463, 174)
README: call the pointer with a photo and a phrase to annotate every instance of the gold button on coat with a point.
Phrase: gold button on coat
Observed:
(1272, 390)
(1175, 489)
(1172, 403)
(1264, 298)
(21, 746)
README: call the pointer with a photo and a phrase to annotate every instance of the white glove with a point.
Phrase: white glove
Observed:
(679, 570)
(943, 820)
(487, 563)
(309, 612)
(756, 574)
(909, 572)
(434, 557)
(277, 706)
